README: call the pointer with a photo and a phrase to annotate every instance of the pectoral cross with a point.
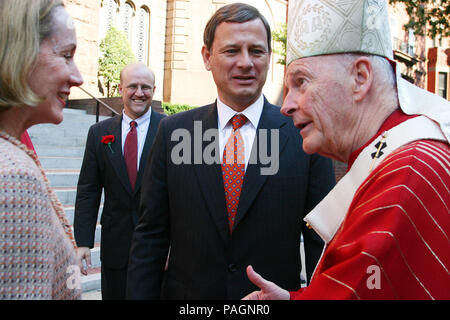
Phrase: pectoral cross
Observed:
(379, 146)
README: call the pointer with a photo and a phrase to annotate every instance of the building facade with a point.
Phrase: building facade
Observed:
(144, 23)
(167, 35)
(423, 61)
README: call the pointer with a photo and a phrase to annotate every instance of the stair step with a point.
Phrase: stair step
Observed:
(44, 150)
(66, 195)
(58, 131)
(74, 111)
(90, 282)
(95, 257)
(74, 141)
(70, 210)
(62, 178)
(92, 295)
(59, 162)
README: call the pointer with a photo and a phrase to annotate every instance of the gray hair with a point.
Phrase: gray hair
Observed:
(381, 66)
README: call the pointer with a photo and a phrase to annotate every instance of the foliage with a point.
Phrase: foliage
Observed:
(430, 15)
(170, 108)
(279, 35)
(115, 53)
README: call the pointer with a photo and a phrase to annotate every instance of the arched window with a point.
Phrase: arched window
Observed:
(127, 16)
(111, 11)
(108, 12)
(143, 34)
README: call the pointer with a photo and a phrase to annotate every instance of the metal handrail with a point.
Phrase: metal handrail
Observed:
(98, 106)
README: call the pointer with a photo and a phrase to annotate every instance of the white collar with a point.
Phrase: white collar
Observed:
(327, 217)
(140, 121)
(252, 112)
(415, 100)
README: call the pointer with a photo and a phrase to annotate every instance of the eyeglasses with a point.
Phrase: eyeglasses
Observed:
(144, 88)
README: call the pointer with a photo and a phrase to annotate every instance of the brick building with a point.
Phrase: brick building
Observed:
(423, 61)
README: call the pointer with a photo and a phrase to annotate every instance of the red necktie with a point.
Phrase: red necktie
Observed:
(130, 153)
(233, 167)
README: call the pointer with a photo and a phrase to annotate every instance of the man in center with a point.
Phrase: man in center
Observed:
(218, 217)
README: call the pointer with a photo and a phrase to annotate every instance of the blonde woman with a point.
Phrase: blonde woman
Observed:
(37, 251)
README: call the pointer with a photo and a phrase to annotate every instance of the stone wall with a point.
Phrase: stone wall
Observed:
(186, 80)
(85, 14)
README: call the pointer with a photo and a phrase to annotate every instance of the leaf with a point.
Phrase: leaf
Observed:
(115, 54)
(432, 16)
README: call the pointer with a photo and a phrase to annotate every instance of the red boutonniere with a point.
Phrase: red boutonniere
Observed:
(108, 140)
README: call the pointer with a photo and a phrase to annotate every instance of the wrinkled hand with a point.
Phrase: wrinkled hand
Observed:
(269, 290)
(84, 253)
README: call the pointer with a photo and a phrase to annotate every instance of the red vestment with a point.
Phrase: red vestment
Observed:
(394, 242)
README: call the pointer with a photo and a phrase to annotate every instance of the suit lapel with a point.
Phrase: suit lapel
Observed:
(253, 179)
(210, 177)
(116, 156)
(151, 133)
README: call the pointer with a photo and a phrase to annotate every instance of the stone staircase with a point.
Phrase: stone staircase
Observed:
(60, 149)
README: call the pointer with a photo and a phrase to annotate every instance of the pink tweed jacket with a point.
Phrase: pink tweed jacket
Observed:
(37, 258)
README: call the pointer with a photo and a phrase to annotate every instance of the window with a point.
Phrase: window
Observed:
(107, 19)
(442, 85)
(126, 20)
(143, 34)
(111, 9)
(394, 25)
(411, 42)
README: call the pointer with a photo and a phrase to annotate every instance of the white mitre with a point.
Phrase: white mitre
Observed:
(319, 27)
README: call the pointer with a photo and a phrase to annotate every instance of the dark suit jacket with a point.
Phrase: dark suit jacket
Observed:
(183, 206)
(103, 169)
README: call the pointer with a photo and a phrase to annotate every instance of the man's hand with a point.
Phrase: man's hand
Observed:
(269, 290)
(84, 253)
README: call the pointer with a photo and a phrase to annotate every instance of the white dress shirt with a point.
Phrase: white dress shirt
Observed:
(248, 130)
(143, 123)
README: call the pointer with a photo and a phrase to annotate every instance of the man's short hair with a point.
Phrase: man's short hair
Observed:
(238, 13)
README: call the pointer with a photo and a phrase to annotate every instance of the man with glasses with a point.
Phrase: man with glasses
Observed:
(114, 161)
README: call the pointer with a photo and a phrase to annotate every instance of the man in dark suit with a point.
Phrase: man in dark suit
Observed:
(114, 161)
(217, 214)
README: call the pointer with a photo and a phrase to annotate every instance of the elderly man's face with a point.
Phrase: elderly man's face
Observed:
(319, 103)
(239, 60)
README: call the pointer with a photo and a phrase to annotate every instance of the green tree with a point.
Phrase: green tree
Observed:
(430, 15)
(279, 35)
(170, 108)
(115, 53)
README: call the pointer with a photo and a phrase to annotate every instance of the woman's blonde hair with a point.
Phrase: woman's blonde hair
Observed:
(23, 26)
